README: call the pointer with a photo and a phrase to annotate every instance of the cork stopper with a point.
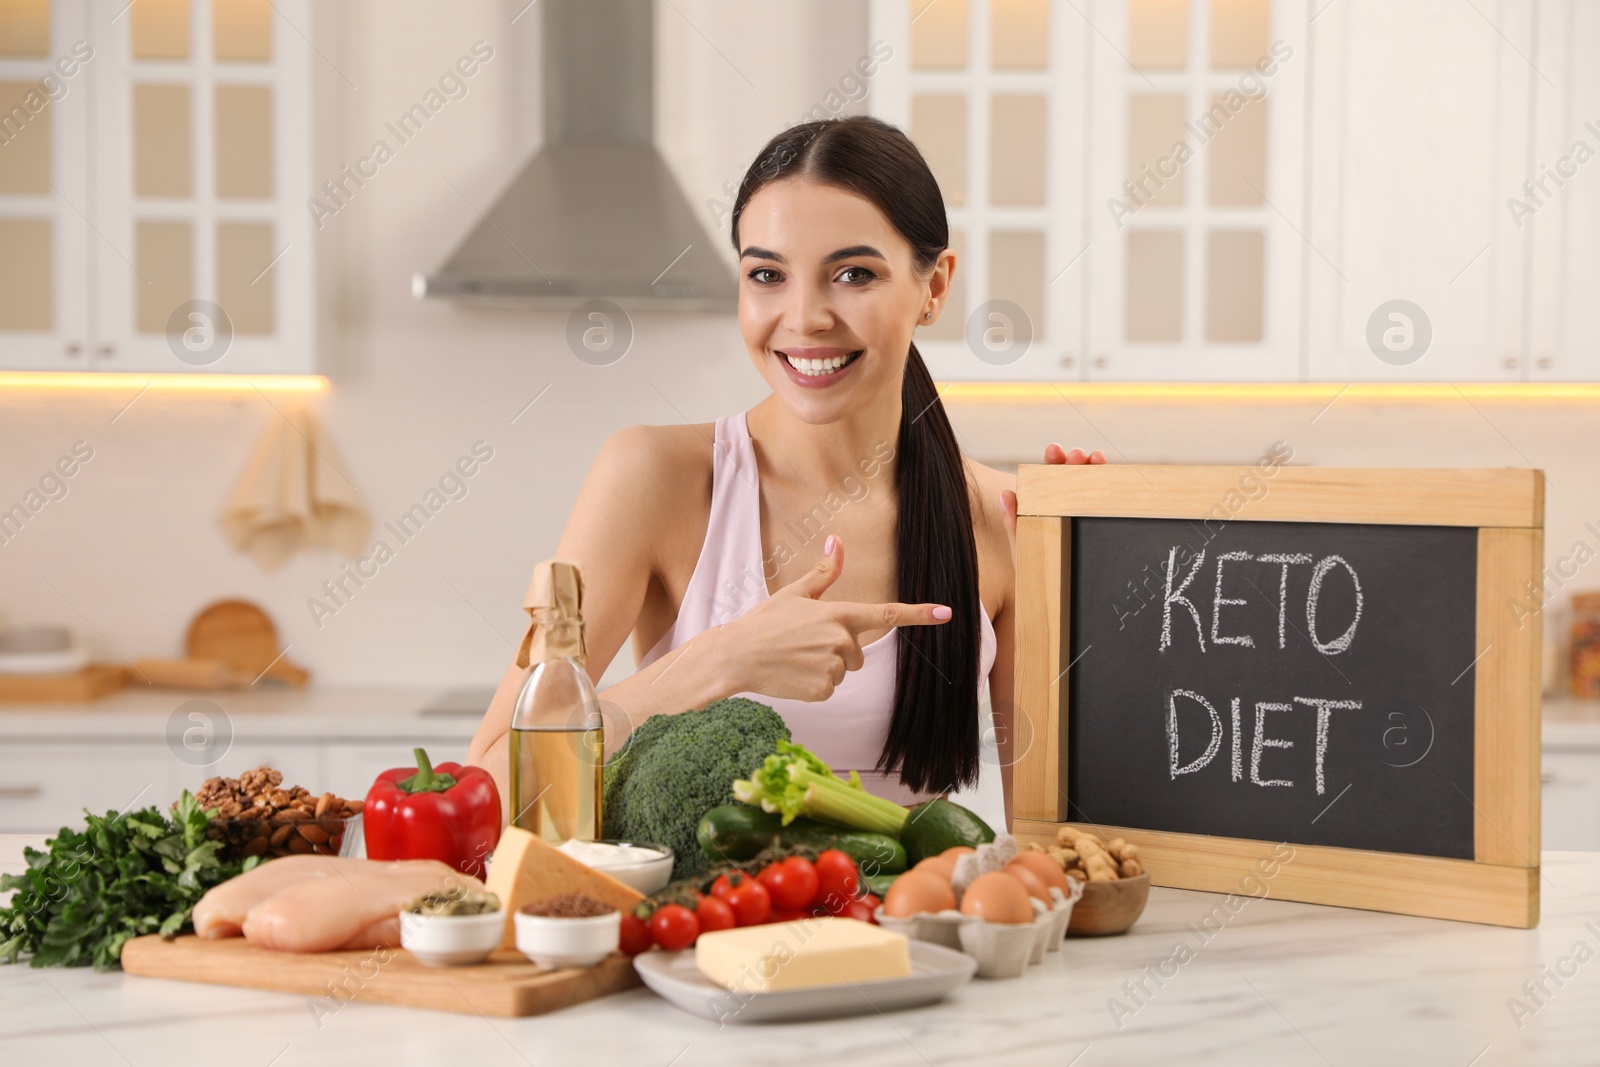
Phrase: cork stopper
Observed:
(555, 611)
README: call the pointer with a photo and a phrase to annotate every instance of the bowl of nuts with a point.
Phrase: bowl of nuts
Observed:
(1115, 885)
(255, 816)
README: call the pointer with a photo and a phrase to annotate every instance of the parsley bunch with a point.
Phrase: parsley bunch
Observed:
(121, 876)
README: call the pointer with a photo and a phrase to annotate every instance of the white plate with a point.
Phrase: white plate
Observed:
(935, 973)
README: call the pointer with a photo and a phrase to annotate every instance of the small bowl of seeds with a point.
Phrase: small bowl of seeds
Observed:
(452, 927)
(570, 930)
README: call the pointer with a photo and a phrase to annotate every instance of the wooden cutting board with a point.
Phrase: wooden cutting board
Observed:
(506, 985)
(90, 683)
(241, 635)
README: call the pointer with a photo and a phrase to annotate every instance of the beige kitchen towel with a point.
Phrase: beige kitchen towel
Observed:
(293, 494)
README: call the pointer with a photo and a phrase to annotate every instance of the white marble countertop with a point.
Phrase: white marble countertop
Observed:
(317, 713)
(359, 713)
(1281, 983)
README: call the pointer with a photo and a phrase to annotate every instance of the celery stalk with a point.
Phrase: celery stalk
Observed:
(794, 782)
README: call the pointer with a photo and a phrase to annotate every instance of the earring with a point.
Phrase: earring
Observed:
(928, 315)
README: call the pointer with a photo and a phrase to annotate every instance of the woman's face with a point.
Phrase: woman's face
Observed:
(828, 297)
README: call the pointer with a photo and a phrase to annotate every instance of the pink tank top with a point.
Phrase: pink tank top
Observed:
(849, 728)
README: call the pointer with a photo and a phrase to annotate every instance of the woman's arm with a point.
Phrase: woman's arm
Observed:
(1002, 676)
(1002, 688)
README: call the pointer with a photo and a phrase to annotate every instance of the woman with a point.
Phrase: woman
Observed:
(701, 540)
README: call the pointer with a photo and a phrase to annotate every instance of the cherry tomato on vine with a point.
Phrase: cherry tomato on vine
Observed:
(635, 936)
(674, 926)
(792, 883)
(837, 880)
(715, 914)
(749, 899)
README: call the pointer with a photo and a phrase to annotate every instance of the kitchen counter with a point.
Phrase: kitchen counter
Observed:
(331, 714)
(1280, 983)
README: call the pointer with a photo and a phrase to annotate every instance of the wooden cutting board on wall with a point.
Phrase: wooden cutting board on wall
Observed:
(505, 985)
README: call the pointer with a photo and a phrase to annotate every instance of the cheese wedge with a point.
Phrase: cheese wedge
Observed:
(525, 868)
(801, 954)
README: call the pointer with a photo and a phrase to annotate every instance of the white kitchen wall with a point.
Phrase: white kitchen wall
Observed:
(135, 547)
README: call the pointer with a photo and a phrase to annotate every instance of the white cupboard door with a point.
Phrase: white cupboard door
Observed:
(992, 93)
(46, 67)
(1420, 130)
(203, 170)
(1557, 205)
(1196, 190)
(45, 786)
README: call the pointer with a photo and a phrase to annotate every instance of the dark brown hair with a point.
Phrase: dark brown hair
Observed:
(933, 732)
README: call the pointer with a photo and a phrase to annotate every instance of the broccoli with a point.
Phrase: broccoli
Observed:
(675, 768)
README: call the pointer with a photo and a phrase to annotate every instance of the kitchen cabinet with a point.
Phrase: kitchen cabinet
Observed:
(1419, 134)
(1569, 799)
(1561, 212)
(180, 166)
(1347, 214)
(44, 144)
(46, 786)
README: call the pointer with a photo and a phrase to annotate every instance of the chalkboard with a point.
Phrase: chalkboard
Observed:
(1320, 692)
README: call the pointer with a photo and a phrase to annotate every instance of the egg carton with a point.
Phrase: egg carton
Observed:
(1003, 950)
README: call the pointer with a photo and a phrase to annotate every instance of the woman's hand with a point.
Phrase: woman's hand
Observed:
(798, 646)
(1053, 453)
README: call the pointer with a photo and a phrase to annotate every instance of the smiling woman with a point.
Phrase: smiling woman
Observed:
(843, 244)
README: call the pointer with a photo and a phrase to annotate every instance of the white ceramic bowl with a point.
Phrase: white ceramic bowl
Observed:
(451, 940)
(648, 874)
(554, 942)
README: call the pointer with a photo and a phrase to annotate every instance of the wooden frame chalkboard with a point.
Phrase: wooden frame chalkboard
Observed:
(1500, 883)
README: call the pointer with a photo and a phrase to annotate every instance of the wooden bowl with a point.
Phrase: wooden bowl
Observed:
(1109, 907)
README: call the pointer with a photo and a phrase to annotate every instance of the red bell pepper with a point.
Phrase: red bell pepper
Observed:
(449, 813)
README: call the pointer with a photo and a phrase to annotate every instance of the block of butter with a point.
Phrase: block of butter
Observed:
(801, 954)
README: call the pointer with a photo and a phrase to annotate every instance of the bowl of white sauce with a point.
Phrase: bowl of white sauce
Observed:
(647, 868)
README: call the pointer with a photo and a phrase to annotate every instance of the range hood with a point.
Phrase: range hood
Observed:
(596, 213)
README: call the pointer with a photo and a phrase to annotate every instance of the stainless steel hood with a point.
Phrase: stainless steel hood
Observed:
(596, 213)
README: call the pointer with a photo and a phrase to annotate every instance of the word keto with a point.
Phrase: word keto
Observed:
(1252, 488)
(1252, 86)
(1565, 170)
(354, 577)
(1564, 970)
(452, 86)
(52, 486)
(1332, 647)
(850, 88)
(51, 88)
(739, 591)
(1254, 885)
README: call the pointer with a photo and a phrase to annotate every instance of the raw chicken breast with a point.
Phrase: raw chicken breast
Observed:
(322, 914)
(221, 911)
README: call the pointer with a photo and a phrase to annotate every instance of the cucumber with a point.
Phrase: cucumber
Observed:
(878, 884)
(937, 825)
(739, 831)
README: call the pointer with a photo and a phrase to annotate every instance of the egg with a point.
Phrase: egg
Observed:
(1048, 870)
(916, 893)
(998, 898)
(1030, 881)
(944, 866)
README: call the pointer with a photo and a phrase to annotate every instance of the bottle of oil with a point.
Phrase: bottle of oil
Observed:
(557, 739)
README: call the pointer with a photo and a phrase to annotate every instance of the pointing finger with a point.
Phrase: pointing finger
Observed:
(859, 617)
